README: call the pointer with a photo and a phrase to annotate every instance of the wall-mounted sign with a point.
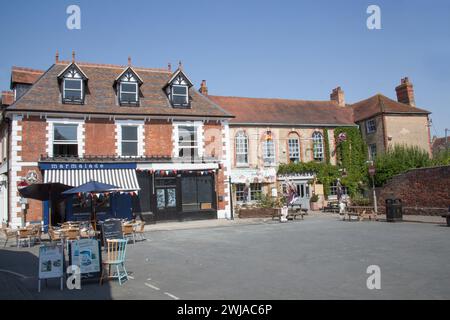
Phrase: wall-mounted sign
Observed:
(32, 177)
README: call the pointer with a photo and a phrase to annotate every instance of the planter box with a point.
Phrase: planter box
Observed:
(315, 206)
(256, 212)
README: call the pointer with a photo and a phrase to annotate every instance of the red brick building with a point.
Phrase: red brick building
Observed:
(137, 128)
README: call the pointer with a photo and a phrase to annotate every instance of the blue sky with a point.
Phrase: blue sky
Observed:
(255, 48)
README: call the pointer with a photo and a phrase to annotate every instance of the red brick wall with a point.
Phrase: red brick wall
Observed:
(34, 139)
(34, 211)
(427, 187)
(158, 138)
(213, 140)
(99, 137)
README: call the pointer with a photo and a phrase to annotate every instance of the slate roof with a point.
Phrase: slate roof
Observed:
(100, 98)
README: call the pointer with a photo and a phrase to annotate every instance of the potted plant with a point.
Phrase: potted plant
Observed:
(314, 202)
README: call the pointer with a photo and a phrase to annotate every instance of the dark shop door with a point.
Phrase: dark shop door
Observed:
(166, 199)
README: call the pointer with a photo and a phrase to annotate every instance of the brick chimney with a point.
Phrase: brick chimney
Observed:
(405, 92)
(338, 95)
(203, 88)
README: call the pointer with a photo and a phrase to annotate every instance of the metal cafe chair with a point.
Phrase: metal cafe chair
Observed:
(139, 230)
(115, 257)
(9, 234)
(24, 236)
(128, 232)
(71, 235)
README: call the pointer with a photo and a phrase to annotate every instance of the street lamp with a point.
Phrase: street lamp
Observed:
(372, 174)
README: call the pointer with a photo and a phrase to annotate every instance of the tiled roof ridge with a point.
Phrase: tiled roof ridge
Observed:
(280, 99)
(112, 66)
(25, 69)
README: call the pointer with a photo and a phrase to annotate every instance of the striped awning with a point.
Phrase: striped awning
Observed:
(125, 179)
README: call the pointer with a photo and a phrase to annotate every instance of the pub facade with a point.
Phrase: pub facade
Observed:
(146, 131)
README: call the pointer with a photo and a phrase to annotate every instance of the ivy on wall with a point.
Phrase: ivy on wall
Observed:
(351, 168)
(351, 153)
(327, 145)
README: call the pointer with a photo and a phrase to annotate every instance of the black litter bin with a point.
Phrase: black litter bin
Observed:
(394, 210)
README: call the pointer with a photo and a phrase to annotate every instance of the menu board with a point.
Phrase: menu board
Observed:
(51, 262)
(86, 254)
(112, 229)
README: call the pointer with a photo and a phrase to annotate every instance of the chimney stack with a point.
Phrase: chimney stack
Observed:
(203, 88)
(338, 95)
(405, 92)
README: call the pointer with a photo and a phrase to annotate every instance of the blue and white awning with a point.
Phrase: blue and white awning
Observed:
(125, 179)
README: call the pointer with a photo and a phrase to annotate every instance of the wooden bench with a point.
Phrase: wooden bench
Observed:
(294, 213)
(331, 207)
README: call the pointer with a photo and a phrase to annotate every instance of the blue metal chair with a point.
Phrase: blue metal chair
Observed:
(115, 257)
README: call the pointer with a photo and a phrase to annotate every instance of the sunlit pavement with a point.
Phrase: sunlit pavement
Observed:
(318, 258)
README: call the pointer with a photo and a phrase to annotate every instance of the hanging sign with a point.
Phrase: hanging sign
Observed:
(51, 263)
(86, 254)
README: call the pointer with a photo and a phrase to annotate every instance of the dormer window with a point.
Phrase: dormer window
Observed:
(128, 93)
(177, 90)
(73, 90)
(128, 83)
(180, 95)
(73, 84)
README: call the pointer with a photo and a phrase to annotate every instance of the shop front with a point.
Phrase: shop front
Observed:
(301, 184)
(249, 184)
(78, 207)
(171, 192)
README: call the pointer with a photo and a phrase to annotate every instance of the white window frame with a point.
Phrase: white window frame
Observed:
(241, 148)
(371, 153)
(269, 158)
(78, 90)
(371, 126)
(294, 150)
(198, 125)
(140, 135)
(318, 144)
(180, 95)
(122, 91)
(135, 141)
(51, 131)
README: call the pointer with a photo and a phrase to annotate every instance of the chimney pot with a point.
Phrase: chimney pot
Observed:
(405, 92)
(338, 96)
(73, 56)
(169, 66)
(203, 88)
(57, 56)
(129, 61)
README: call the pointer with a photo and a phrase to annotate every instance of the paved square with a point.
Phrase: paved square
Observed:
(318, 258)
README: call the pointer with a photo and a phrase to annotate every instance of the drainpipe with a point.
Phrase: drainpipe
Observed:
(231, 199)
(8, 159)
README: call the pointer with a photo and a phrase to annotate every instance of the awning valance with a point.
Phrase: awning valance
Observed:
(125, 179)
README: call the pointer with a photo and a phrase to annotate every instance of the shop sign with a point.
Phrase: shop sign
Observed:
(86, 166)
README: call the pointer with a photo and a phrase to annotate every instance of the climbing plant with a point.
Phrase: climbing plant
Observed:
(351, 168)
(326, 145)
(351, 155)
